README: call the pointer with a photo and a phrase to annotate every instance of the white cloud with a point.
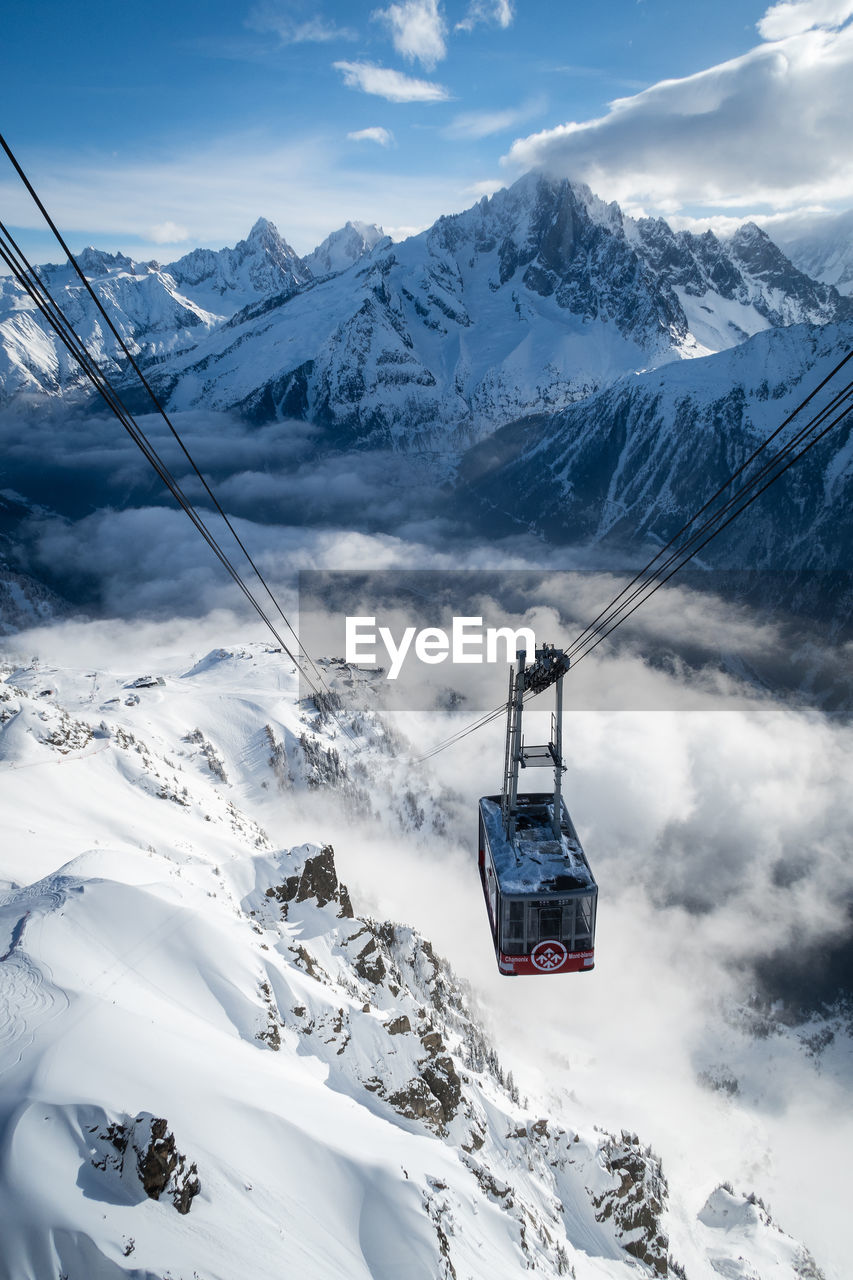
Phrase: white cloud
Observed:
(482, 124)
(284, 22)
(494, 12)
(168, 233)
(487, 187)
(404, 232)
(320, 32)
(417, 30)
(389, 84)
(794, 17)
(375, 133)
(769, 127)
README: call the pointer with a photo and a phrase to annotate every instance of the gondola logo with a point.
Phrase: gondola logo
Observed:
(549, 956)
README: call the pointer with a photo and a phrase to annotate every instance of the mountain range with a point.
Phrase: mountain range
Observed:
(532, 300)
(561, 369)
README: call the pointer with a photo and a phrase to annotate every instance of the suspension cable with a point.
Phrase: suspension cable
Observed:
(155, 399)
(616, 612)
(29, 279)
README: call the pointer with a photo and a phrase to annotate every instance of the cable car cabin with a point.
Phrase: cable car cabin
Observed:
(540, 892)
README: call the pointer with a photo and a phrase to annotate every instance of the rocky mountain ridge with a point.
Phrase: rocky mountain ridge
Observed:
(531, 300)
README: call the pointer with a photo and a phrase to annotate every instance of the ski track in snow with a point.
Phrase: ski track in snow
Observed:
(28, 997)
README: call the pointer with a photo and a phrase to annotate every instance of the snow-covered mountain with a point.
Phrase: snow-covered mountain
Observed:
(820, 244)
(153, 318)
(532, 300)
(631, 464)
(528, 302)
(225, 280)
(342, 248)
(157, 309)
(214, 1064)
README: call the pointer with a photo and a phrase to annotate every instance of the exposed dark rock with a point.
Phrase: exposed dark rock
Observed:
(417, 1102)
(159, 1166)
(158, 1161)
(432, 1042)
(398, 1026)
(444, 1083)
(636, 1203)
(316, 880)
(369, 964)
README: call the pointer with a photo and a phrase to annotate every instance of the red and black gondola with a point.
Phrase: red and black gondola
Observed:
(541, 895)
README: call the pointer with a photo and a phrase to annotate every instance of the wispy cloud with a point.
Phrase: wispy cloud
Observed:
(487, 187)
(499, 13)
(287, 23)
(770, 127)
(384, 137)
(417, 29)
(389, 84)
(482, 124)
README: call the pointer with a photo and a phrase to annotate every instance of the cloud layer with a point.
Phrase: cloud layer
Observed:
(769, 127)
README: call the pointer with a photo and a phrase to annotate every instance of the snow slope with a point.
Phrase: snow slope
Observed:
(213, 1066)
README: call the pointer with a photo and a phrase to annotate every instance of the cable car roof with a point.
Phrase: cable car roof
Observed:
(534, 861)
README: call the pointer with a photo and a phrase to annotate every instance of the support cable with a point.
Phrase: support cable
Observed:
(29, 279)
(158, 406)
(614, 614)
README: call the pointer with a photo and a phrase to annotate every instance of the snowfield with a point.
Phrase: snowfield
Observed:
(214, 1065)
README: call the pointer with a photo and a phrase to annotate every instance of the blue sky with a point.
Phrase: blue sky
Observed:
(154, 127)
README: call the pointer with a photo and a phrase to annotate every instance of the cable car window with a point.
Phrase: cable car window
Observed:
(567, 935)
(583, 924)
(513, 931)
(550, 921)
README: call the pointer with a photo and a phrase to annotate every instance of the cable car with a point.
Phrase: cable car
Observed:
(540, 892)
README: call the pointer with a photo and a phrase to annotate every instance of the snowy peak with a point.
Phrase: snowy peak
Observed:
(531, 300)
(262, 265)
(787, 294)
(95, 262)
(344, 247)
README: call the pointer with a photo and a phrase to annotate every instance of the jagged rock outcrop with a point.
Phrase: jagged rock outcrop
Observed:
(144, 1149)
